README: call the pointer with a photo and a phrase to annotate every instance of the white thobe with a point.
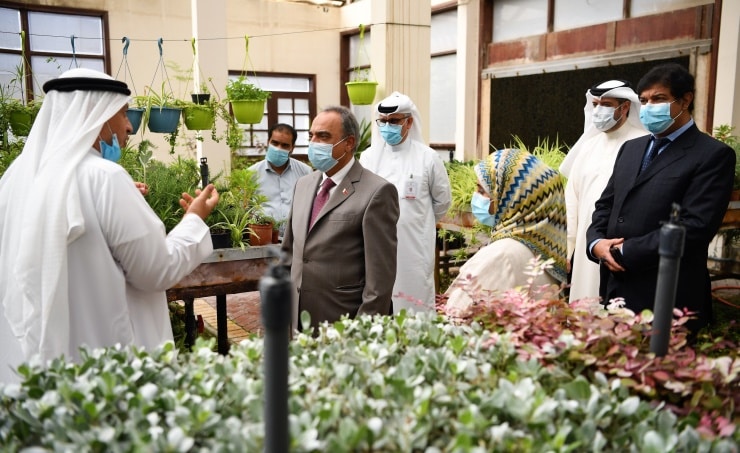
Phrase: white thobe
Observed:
(423, 187)
(588, 177)
(496, 268)
(119, 269)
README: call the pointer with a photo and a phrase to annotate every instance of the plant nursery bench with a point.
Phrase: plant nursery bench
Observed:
(225, 271)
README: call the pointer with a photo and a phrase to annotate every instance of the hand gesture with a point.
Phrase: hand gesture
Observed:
(143, 188)
(203, 203)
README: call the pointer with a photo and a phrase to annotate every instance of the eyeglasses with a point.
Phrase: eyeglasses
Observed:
(394, 121)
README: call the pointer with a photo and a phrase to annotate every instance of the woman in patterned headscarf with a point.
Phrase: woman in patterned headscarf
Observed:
(522, 200)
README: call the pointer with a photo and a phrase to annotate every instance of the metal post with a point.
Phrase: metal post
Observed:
(671, 246)
(275, 295)
(204, 171)
(222, 329)
(189, 322)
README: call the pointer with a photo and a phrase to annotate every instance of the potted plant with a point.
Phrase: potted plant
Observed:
(360, 89)
(463, 183)
(202, 114)
(203, 95)
(247, 100)
(161, 110)
(21, 115)
(260, 227)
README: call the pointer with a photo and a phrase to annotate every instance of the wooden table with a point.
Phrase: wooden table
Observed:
(226, 271)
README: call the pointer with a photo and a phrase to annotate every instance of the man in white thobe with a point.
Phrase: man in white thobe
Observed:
(399, 155)
(612, 116)
(83, 258)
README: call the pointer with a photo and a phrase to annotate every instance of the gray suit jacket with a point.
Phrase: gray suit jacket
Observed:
(346, 264)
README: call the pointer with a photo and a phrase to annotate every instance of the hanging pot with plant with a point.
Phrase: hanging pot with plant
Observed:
(21, 117)
(361, 89)
(247, 100)
(135, 115)
(198, 117)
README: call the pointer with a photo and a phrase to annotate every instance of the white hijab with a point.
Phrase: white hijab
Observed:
(589, 130)
(42, 213)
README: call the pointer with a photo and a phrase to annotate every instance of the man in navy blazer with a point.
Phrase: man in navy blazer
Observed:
(693, 170)
(341, 254)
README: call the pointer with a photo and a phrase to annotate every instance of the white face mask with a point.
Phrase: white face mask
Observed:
(603, 118)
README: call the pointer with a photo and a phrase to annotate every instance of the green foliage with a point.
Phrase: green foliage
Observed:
(402, 383)
(551, 154)
(366, 134)
(463, 183)
(584, 339)
(9, 150)
(240, 90)
(723, 133)
(167, 182)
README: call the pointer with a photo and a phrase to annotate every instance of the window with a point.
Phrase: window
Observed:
(50, 34)
(514, 19)
(581, 13)
(293, 101)
(443, 82)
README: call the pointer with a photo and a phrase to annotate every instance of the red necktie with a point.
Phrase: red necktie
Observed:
(320, 199)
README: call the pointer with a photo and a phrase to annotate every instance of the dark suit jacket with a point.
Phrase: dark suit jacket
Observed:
(696, 171)
(346, 264)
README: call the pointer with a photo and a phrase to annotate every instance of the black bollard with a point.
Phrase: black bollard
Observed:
(204, 172)
(672, 236)
(276, 293)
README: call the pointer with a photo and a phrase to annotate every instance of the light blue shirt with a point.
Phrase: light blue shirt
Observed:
(278, 188)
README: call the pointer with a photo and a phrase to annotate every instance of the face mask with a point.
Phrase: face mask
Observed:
(657, 117)
(320, 155)
(276, 157)
(603, 118)
(391, 133)
(480, 206)
(111, 152)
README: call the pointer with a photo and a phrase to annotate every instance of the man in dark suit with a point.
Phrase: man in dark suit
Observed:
(692, 169)
(341, 247)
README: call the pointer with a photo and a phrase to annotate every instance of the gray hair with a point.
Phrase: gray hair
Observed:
(350, 126)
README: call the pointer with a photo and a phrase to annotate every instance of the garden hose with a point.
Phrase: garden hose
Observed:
(719, 299)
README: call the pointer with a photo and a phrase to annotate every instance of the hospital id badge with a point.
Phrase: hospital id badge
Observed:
(410, 188)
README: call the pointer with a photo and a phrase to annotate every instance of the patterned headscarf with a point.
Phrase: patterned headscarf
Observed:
(528, 204)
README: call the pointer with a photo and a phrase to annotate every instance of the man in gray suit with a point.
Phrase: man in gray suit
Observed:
(340, 239)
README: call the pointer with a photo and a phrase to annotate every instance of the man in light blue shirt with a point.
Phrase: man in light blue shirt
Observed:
(278, 172)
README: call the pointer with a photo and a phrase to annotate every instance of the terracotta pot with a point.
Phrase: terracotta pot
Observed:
(260, 234)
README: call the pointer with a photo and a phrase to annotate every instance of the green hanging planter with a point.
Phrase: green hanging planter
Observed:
(21, 122)
(248, 112)
(361, 93)
(198, 118)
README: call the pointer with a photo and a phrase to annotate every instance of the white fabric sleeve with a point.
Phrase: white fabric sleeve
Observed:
(571, 209)
(439, 188)
(150, 260)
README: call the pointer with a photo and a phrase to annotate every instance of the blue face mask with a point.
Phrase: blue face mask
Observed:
(480, 206)
(657, 117)
(391, 133)
(320, 155)
(276, 156)
(111, 152)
